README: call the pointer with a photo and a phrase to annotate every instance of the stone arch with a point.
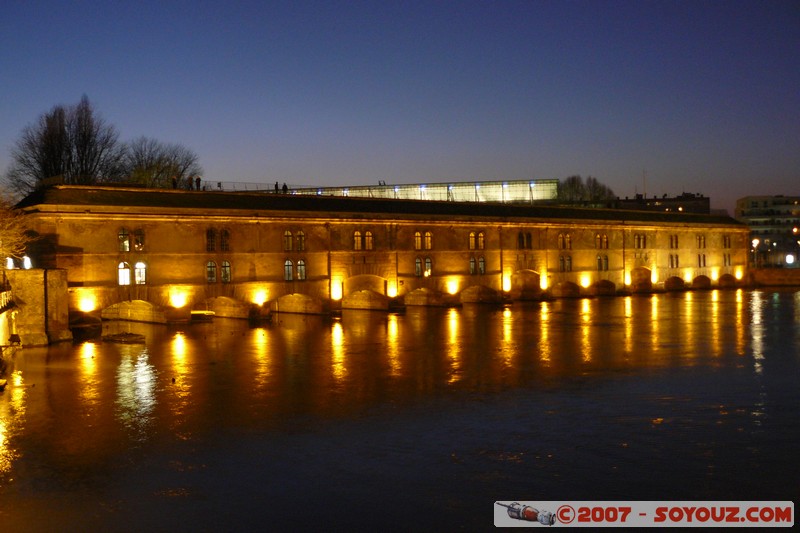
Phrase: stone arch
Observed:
(674, 283)
(298, 303)
(603, 287)
(526, 285)
(480, 294)
(364, 282)
(727, 281)
(701, 282)
(566, 289)
(425, 296)
(365, 299)
(134, 310)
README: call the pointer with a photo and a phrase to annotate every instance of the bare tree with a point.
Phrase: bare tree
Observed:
(72, 144)
(155, 164)
(573, 190)
(13, 236)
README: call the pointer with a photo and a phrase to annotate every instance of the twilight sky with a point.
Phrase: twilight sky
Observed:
(699, 96)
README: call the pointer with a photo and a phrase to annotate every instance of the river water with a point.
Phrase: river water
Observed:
(415, 421)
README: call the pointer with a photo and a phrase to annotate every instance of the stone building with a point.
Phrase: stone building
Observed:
(156, 255)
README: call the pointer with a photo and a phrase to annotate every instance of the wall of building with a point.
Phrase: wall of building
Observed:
(521, 258)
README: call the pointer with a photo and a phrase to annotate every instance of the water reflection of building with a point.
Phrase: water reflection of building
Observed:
(148, 253)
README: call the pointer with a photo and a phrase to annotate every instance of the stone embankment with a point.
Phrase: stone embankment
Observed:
(773, 277)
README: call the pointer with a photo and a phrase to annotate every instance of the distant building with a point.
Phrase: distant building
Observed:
(774, 223)
(685, 203)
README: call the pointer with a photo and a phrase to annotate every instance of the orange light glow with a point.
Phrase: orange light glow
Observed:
(586, 280)
(452, 286)
(506, 282)
(336, 289)
(259, 297)
(391, 289)
(738, 274)
(543, 280)
(178, 297)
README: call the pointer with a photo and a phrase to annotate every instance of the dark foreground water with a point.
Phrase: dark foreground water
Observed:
(406, 422)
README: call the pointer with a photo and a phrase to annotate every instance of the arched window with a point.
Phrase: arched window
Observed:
(568, 241)
(417, 266)
(605, 242)
(124, 274)
(480, 240)
(428, 265)
(138, 240)
(287, 270)
(605, 262)
(124, 240)
(481, 265)
(428, 240)
(528, 241)
(301, 241)
(211, 272)
(561, 242)
(471, 265)
(301, 270)
(471, 241)
(211, 240)
(225, 272)
(368, 240)
(287, 241)
(520, 240)
(568, 263)
(599, 262)
(224, 241)
(140, 273)
(598, 242)
(417, 240)
(356, 240)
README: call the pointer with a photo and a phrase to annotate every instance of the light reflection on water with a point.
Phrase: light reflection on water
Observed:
(71, 408)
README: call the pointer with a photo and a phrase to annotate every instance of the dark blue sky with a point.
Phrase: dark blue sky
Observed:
(702, 96)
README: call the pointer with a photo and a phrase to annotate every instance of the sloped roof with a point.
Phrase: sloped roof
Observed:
(64, 197)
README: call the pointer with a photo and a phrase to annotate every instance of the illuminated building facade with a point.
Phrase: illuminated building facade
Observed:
(234, 252)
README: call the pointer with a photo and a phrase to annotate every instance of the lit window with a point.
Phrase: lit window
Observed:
(225, 272)
(356, 240)
(568, 241)
(287, 270)
(417, 266)
(124, 241)
(211, 272)
(301, 241)
(481, 240)
(140, 273)
(481, 265)
(472, 240)
(428, 240)
(287, 241)
(224, 241)
(428, 265)
(471, 265)
(417, 240)
(124, 274)
(138, 240)
(368, 240)
(301, 270)
(211, 240)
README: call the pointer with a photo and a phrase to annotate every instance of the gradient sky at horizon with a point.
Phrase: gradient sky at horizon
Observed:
(662, 96)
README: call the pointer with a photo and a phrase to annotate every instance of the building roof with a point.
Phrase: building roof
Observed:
(104, 198)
